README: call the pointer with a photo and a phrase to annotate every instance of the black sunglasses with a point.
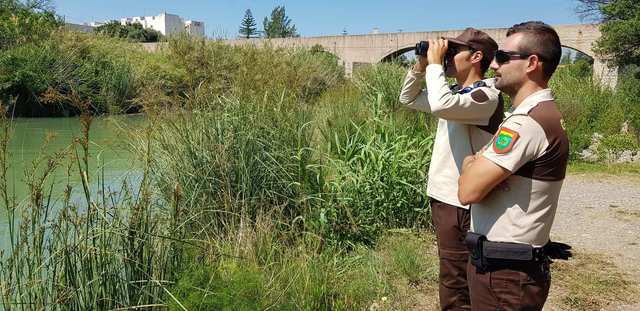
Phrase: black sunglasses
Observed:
(502, 56)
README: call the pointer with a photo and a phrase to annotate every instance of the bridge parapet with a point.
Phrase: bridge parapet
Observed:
(353, 50)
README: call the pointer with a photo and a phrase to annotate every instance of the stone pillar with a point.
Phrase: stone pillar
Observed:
(604, 74)
(348, 68)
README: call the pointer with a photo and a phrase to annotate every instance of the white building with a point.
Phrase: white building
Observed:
(167, 24)
(194, 28)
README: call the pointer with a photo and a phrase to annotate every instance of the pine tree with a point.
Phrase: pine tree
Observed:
(248, 26)
(279, 24)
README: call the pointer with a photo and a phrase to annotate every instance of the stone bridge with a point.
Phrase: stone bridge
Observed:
(356, 50)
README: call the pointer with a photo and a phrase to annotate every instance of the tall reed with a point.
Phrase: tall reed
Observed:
(261, 185)
(94, 248)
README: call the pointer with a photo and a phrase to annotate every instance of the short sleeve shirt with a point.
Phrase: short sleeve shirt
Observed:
(533, 146)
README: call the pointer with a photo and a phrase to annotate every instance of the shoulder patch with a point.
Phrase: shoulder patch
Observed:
(504, 140)
(479, 96)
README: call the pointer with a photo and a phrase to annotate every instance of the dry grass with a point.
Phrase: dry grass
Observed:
(627, 215)
(589, 282)
(586, 282)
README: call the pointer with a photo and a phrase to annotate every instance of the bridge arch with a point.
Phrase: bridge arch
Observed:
(587, 53)
(396, 53)
(579, 53)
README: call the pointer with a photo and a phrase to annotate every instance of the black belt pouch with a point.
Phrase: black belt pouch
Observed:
(508, 251)
(474, 242)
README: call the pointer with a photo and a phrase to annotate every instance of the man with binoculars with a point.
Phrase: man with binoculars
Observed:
(468, 113)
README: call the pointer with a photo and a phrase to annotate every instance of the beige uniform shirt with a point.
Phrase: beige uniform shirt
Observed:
(533, 146)
(466, 122)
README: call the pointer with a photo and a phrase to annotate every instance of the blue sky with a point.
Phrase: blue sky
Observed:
(330, 17)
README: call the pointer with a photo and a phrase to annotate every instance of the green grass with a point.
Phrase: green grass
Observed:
(576, 167)
(299, 278)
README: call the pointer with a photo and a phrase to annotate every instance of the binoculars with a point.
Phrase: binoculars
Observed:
(423, 46)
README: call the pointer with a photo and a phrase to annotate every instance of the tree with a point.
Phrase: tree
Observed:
(590, 9)
(279, 24)
(26, 22)
(248, 26)
(582, 57)
(39, 5)
(112, 29)
(132, 32)
(620, 40)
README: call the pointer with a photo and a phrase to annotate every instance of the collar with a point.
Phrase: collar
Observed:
(532, 100)
(456, 89)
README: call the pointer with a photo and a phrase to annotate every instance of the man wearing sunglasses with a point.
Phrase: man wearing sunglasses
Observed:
(468, 114)
(514, 183)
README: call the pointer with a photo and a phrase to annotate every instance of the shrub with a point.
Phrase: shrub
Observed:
(612, 145)
(376, 181)
(627, 95)
(20, 24)
(595, 110)
(26, 72)
(132, 32)
(236, 158)
(79, 67)
(375, 158)
(589, 108)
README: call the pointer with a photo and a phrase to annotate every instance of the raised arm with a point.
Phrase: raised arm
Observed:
(475, 107)
(413, 95)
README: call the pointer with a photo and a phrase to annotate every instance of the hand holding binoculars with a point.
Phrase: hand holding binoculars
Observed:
(423, 46)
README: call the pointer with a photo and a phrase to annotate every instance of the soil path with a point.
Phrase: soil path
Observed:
(601, 214)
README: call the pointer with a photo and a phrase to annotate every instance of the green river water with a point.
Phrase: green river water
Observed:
(110, 155)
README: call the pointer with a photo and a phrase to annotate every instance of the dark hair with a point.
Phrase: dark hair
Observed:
(543, 41)
(485, 62)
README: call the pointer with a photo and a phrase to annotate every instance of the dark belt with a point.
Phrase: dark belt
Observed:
(490, 256)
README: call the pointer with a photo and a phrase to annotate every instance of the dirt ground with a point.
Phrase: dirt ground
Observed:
(597, 214)
(601, 214)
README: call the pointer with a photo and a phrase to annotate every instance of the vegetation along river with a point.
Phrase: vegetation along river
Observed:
(33, 139)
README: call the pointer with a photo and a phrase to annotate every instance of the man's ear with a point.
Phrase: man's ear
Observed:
(534, 63)
(476, 57)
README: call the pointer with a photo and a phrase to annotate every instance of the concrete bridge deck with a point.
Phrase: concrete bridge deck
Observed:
(355, 50)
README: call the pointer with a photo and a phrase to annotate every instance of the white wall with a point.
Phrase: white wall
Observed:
(194, 28)
(173, 24)
(167, 24)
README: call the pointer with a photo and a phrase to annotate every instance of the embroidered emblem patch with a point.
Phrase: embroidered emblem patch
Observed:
(504, 140)
(479, 96)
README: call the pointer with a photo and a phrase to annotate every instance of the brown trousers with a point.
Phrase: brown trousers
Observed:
(515, 288)
(451, 224)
